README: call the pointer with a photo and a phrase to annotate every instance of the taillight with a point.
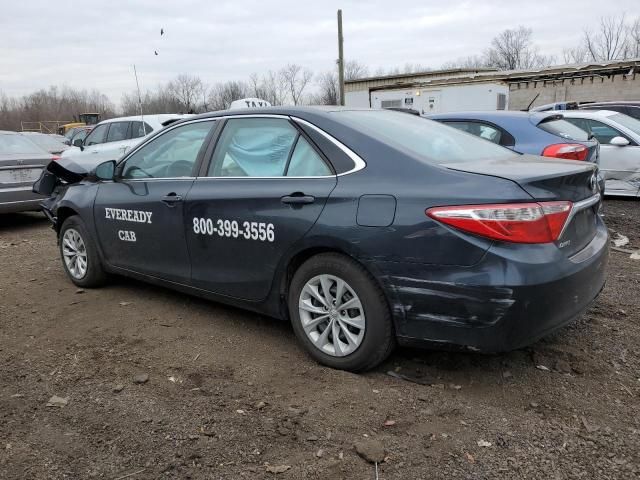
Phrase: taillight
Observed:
(55, 158)
(568, 151)
(516, 222)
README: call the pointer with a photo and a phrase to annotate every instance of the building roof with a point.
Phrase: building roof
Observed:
(458, 76)
(427, 73)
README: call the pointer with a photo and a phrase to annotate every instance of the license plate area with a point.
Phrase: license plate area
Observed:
(20, 175)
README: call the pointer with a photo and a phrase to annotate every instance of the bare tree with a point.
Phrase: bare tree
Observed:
(54, 103)
(472, 61)
(513, 49)
(609, 42)
(634, 39)
(354, 69)
(186, 89)
(296, 78)
(577, 54)
(328, 89)
(270, 87)
(222, 94)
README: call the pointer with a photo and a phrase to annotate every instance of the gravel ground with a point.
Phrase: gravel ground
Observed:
(155, 384)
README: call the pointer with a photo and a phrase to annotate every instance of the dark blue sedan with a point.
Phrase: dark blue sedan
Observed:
(363, 228)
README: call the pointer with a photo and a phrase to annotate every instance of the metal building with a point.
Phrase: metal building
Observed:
(486, 89)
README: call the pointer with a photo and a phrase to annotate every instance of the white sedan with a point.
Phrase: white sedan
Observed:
(619, 137)
(110, 139)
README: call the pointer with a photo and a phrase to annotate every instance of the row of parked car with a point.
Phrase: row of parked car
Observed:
(609, 138)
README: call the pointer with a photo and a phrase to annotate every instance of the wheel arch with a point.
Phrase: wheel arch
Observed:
(300, 257)
(62, 213)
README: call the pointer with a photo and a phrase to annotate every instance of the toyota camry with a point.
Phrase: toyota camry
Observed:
(363, 228)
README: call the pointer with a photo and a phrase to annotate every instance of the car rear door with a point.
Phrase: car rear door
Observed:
(139, 216)
(262, 191)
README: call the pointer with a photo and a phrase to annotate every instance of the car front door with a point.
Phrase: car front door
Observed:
(263, 190)
(619, 164)
(139, 216)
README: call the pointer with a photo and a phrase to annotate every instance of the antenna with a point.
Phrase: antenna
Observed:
(531, 103)
(144, 127)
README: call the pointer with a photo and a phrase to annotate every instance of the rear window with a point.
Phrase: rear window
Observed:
(431, 141)
(47, 142)
(564, 129)
(16, 143)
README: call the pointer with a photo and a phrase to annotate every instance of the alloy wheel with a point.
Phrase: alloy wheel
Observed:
(74, 253)
(332, 315)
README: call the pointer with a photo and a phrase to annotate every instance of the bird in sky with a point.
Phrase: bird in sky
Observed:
(156, 52)
(161, 31)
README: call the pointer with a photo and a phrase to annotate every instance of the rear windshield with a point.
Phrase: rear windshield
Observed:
(16, 143)
(564, 129)
(631, 123)
(431, 141)
(47, 142)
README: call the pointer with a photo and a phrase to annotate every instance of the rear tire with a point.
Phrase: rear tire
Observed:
(79, 254)
(364, 329)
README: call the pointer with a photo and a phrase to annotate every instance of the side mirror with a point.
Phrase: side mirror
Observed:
(619, 141)
(78, 142)
(105, 171)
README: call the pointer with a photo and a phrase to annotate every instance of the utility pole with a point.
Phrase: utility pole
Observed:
(340, 58)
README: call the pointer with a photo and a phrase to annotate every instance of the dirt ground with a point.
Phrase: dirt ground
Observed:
(231, 395)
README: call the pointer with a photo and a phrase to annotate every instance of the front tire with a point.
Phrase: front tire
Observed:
(79, 254)
(339, 313)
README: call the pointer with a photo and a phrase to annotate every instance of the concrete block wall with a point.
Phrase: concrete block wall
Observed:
(598, 89)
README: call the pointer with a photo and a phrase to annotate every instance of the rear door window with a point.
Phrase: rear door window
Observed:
(564, 128)
(138, 131)
(253, 147)
(118, 131)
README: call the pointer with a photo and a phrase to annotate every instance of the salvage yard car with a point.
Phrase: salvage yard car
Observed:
(362, 227)
(619, 138)
(21, 163)
(111, 138)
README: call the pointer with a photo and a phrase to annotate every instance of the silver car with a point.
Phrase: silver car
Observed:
(619, 137)
(21, 163)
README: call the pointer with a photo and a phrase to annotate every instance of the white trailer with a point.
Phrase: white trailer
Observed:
(436, 99)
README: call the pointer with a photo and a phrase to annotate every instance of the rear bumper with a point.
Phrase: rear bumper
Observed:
(19, 199)
(514, 296)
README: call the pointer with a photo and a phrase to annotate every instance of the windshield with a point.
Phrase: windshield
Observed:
(431, 141)
(631, 123)
(47, 142)
(16, 143)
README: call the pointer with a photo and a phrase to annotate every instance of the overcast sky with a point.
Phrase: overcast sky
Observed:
(93, 44)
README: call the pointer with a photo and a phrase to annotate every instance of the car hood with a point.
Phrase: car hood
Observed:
(73, 169)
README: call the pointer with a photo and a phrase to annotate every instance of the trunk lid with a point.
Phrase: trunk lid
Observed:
(547, 179)
(17, 169)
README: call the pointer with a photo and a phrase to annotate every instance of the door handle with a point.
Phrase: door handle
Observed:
(298, 198)
(171, 199)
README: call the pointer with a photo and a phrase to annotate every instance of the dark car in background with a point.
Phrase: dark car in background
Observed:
(361, 227)
(627, 107)
(21, 163)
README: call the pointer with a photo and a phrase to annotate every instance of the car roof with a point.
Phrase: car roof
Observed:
(590, 113)
(534, 117)
(630, 103)
(158, 118)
